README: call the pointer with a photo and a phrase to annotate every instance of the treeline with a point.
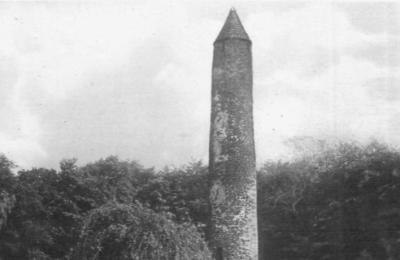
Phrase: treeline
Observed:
(109, 209)
(341, 202)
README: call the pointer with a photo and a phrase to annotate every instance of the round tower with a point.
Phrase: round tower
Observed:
(232, 167)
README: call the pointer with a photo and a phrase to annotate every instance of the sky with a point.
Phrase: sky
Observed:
(133, 79)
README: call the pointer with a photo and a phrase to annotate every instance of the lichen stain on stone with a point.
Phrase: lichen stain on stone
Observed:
(219, 132)
(240, 216)
(217, 193)
(220, 124)
(218, 71)
(216, 98)
(221, 121)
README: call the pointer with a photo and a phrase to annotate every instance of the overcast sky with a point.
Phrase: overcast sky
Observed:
(133, 79)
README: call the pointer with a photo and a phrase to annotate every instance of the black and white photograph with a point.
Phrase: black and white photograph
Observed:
(199, 130)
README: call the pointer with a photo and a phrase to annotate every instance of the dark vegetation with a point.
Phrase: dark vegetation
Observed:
(341, 202)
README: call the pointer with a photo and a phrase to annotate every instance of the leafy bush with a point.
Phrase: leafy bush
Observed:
(182, 192)
(120, 231)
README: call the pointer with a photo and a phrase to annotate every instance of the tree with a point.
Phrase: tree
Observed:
(113, 179)
(182, 192)
(120, 231)
(340, 203)
(7, 184)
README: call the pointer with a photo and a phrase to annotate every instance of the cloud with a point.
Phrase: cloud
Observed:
(373, 17)
(20, 133)
(8, 74)
(27, 151)
(312, 72)
(134, 91)
(384, 88)
(306, 41)
(382, 54)
(47, 51)
(88, 79)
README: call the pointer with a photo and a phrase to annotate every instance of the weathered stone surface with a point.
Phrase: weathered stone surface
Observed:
(233, 225)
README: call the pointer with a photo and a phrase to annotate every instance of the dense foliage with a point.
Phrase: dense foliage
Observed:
(7, 199)
(47, 210)
(118, 231)
(341, 202)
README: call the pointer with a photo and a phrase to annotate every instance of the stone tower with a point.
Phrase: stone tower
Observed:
(233, 191)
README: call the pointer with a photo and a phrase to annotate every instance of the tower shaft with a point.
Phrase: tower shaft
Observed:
(233, 191)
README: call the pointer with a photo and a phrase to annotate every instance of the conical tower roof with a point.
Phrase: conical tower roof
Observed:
(232, 28)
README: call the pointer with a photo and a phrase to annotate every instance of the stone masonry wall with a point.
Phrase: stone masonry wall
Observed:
(233, 225)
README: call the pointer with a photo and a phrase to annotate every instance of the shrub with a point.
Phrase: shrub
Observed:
(121, 231)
